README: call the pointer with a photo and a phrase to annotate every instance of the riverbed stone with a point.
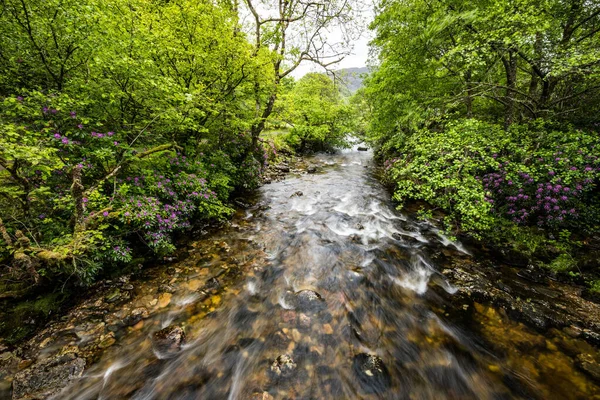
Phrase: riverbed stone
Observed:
(113, 296)
(169, 339)
(47, 377)
(283, 167)
(166, 288)
(289, 316)
(283, 367)
(589, 365)
(304, 321)
(309, 301)
(136, 315)
(371, 372)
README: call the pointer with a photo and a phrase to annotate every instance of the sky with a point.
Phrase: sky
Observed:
(358, 58)
(360, 52)
(360, 47)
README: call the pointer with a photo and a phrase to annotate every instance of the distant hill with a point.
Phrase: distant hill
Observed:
(351, 77)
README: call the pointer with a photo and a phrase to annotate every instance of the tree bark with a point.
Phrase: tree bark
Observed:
(510, 66)
(469, 96)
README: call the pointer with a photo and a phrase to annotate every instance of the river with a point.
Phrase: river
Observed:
(323, 290)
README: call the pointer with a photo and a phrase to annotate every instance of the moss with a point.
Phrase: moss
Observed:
(51, 256)
(26, 317)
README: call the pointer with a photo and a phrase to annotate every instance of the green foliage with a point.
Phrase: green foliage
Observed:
(595, 287)
(121, 123)
(485, 110)
(563, 263)
(481, 174)
(317, 114)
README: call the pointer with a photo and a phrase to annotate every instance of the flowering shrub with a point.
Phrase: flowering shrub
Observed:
(480, 173)
(159, 204)
(128, 192)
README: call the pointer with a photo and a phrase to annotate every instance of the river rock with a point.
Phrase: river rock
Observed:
(587, 364)
(242, 204)
(113, 296)
(304, 321)
(297, 194)
(48, 377)
(166, 288)
(211, 287)
(309, 300)
(371, 373)
(362, 148)
(533, 275)
(136, 315)
(283, 367)
(261, 396)
(169, 339)
(311, 169)
(283, 168)
(405, 238)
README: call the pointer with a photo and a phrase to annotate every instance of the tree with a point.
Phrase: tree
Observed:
(317, 114)
(514, 61)
(121, 121)
(294, 32)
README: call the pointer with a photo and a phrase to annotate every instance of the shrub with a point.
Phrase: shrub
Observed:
(481, 174)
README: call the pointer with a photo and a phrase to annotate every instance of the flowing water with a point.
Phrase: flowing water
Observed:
(322, 291)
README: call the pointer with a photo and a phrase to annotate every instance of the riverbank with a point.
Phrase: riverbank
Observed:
(317, 287)
(110, 307)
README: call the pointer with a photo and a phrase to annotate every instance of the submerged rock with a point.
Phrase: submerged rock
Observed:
(309, 300)
(48, 377)
(166, 288)
(136, 315)
(589, 365)
(283, 367)
(261, 396)
(304, 321)
(169, 339)
(405, 238)
(371, 373)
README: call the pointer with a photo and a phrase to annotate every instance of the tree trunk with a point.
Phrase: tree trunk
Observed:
(4, 233)
(469, 96)
(510, 66)
(77, 191)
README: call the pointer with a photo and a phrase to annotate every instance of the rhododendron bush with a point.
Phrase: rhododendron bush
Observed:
(532, 176)
(122, 123)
